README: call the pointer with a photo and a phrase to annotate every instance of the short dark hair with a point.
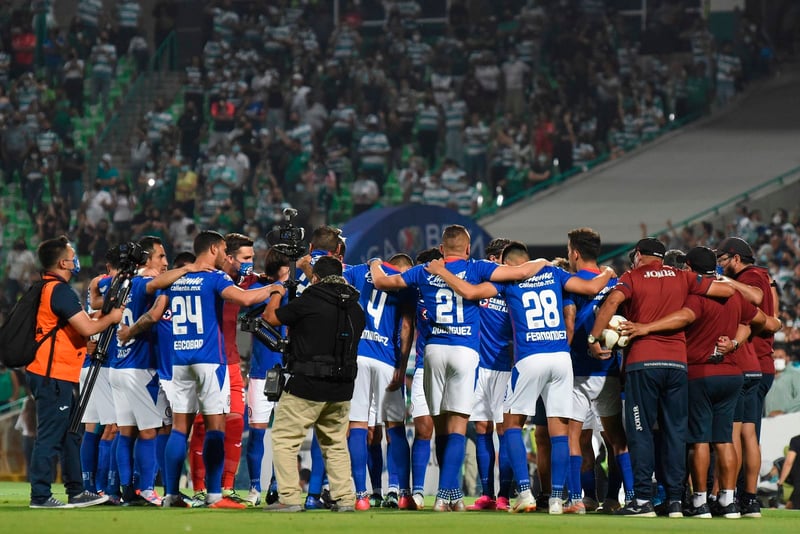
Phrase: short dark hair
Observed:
(205, 239)
(273, 262)
(515, 248)
(149, 242)
(496, 246)
(51, 250)
(235, 241)
(401, 259)
(327, 266)
(429, 254)
(325, 238)
(586, 241)
(113, 257)
(182, 259)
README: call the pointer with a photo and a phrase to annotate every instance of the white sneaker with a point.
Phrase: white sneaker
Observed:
(253, 497)
(419, 501)
(555, 506)
(524, 503)
(441, 505)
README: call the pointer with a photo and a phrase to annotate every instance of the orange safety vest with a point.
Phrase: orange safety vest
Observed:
(67, 347)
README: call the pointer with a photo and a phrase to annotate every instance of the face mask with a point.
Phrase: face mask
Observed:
(246, 268)
(776, 220)
(780, 365)
(76, 267)
(780, 336)
(236, 149)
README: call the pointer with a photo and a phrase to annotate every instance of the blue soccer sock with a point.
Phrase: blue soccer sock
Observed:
(559, 464)
(315, 480)
(575, 462)
(440, 442)
(357, 445)
(145, 452)
(161, 445)
(375, 466)
(255, 454)
(626, 474)
(420, 455)
(214, 458)
(112, 483)
(125, 459)
(103, 463)
(518, 457)
(400, 454)
(505, 468)
(589, 483)
(484, 451)
(453, 459)
(89, 453)
(174, 456)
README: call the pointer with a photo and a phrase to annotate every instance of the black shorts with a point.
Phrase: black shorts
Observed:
(748, 408)
(712, 403)
(540, 417)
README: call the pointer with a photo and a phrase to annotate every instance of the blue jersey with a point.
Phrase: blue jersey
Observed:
(263, 358)
(163, 330)
(102, 287)
(583, 364)
(423, 328)
(138, 352)
(380, 339)
(537, 313)
(454, 320)
(195, 302)
(496, 347)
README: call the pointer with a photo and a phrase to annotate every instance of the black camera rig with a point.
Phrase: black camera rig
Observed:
(131, 257)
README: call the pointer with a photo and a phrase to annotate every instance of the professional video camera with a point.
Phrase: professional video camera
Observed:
(131, 257)
(288, 238)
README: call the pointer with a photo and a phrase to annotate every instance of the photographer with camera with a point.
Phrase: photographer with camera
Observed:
(53, 377)
(322, 366)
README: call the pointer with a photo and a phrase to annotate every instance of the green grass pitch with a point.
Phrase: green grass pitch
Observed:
(17, 518)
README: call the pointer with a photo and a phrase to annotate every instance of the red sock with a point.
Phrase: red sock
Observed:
(196, 464)
(234, 428)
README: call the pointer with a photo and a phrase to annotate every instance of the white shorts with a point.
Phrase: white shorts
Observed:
(490, 391)
(595, 395)
(450, 378)
(419, 406)
(371, 403)
(547, 374)
(100, 408)
(259, 408)
(138, 399)
(167, 391)
(201, 386)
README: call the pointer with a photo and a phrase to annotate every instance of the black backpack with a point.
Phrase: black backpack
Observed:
(18, 343)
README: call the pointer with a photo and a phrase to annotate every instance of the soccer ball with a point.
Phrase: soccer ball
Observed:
(611, 334)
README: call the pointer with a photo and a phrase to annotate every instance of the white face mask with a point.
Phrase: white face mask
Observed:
(780, 336)
(780, 365)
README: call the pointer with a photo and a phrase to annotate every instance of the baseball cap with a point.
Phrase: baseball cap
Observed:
(107, 158)
(702, 260)
(221, 160)
(649, 246)
(736, 245)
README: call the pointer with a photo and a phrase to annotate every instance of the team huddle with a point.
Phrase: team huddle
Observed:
(497, 341)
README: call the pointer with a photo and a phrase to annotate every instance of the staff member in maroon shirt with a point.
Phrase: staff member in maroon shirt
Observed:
(736, 258)
(655, 369)
(715, 381)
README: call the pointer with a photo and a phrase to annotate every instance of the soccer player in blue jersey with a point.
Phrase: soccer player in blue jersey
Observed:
(199, 369)
(451, 354)
(382, 358)
(259, 408)
(542, 361)
(97, 444)
(494, 372)
(596, 385)
(140, 409)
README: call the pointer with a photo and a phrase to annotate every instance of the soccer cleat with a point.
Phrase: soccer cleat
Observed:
(525, 503)
(419, 501)
(675, 509)
(458, 506)
(231, 494)
(635, 510)
(272, 496)
(175, 501)
(326, 498)
(576, 508)
(502, 504)
(391, 501)
(441, 505)
(85, 499)
(699, 512)
(543, 503)
(555, 506)
(483, 503)
(50, 504)
(113, 500)
(200, 495)
(253, 497)
(751, 509)
(314, 503)
(150, 497)
(405, 503)
(590, 504)
(609, 506)
(336, 507)
(363, 504)
(376, 500)
(280, 507)
(728, 512)
(226, 503)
